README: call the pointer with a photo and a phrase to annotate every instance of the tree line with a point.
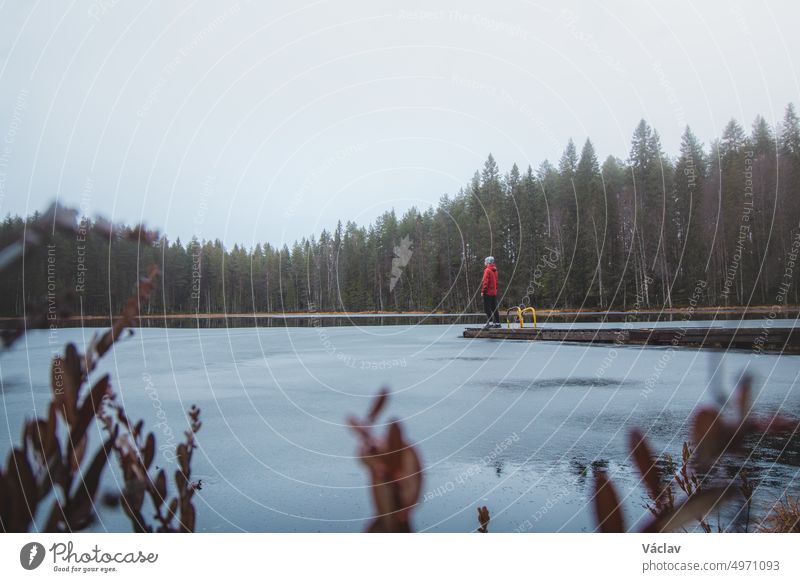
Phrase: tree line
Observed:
(716, 225)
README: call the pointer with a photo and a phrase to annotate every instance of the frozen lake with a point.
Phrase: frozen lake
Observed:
(517, 426)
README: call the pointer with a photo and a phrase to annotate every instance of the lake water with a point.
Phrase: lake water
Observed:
(516, 426)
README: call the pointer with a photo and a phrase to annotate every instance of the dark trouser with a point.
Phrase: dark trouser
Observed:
(490, 308)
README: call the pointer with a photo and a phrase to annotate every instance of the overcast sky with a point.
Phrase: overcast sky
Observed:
(251, 123)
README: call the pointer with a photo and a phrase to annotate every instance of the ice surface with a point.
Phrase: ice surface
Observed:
(518, 426)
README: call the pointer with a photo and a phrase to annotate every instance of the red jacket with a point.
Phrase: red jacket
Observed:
(489, 284)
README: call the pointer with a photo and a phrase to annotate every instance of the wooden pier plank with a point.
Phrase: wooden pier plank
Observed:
(767, 340)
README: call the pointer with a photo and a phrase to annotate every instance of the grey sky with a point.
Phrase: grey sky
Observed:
(265, 123)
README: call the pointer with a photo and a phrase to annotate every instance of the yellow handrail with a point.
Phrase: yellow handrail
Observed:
(508, 311)
(520, 313)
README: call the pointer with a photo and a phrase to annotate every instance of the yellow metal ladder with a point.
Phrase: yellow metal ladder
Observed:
(520, 313)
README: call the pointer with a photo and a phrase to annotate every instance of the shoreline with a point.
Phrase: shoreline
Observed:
(786, 311)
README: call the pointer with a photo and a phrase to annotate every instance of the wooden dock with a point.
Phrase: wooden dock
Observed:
(784, 340)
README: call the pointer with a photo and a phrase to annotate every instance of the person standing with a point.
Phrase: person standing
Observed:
(489, 292)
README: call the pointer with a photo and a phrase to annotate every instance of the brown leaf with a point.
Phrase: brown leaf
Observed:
(55, 518)
(134, 494)
(606, 505)
(77, 451)
(160, 485)
(377, 406)
(645, 463)
(90, 406)
(22, 491)
(394, 447)
(483, 519)
(66, 380)
(173, 508)
(104, 343)
(149, 451)
(410, 480)
(51, 438)
(86, 489)
(187, 517)
(5, 503)
(182, 455)
(34, 437)
(181, 482)
(710, 434)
